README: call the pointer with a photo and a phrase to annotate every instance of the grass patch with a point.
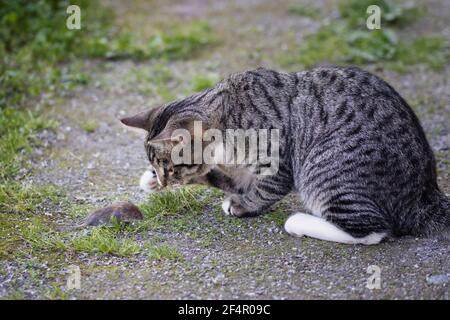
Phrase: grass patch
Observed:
(18, 198)
(38, 235)
(163, 252)
(304, 11)
(392, 12)
(202, 82)
(10, 240)
(175, 209)
(180, 43)
(432, 51)
(17, 131)
(56, 293)
(348, 41)
(90, 125)
(153, 80)
(105, 241)
(170, 202)
(336, 44)
(15, 295)
(39, 54)
(35, 39)
(278, 217)
(102, 240)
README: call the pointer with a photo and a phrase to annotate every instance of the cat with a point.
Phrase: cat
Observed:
(350, 146)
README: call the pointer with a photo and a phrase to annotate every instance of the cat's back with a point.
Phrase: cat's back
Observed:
(361, 138)
(334, 83)
(349, 98)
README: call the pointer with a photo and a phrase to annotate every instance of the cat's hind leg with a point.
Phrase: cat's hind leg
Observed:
(302, 224)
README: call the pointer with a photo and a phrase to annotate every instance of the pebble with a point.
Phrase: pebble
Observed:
(438, 279)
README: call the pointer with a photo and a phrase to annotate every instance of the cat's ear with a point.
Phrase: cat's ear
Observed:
(165, 138)
(139, 123)
(179, 132)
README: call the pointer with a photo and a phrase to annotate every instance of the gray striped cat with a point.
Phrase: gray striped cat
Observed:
(350, 146)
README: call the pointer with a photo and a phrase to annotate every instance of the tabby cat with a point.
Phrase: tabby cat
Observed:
(350, 146)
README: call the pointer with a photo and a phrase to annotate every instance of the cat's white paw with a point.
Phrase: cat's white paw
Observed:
(226, 207)
(149, 181)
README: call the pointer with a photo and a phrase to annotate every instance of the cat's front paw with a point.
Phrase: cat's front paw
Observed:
(149, 181)
(232, 208)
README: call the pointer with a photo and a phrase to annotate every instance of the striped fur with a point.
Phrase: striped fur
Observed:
(350, 146)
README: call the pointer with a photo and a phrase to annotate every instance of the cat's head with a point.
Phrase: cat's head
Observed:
(162, 136)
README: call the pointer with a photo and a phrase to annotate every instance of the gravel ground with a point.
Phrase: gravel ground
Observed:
(250, 259)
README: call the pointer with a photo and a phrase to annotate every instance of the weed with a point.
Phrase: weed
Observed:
(432, 51)
(57, 293)
(34, 40)
(163, 252)
(348, 41)
(392, 13)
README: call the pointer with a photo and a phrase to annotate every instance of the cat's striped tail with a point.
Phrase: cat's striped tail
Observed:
(445, 203)
(437, 214)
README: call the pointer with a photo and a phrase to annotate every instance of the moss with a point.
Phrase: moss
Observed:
(278, 217)
(90, 125)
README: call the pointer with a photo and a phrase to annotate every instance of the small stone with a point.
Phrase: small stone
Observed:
(219, 278)
(103, 127)
(123, 211)
(437, 279)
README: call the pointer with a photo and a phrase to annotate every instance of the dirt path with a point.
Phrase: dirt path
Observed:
(252, 258)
